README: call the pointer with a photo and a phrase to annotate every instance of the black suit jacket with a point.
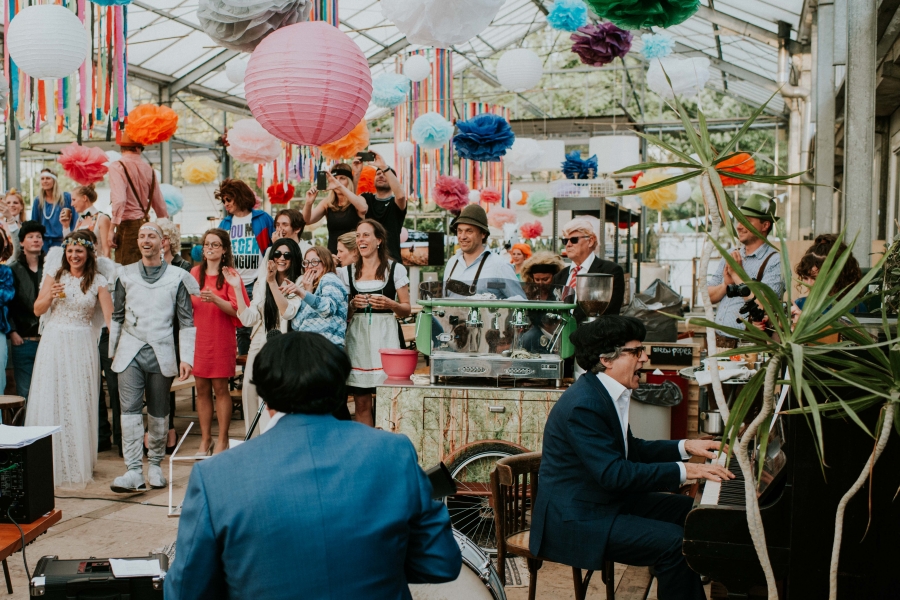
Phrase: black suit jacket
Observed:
(599, 266)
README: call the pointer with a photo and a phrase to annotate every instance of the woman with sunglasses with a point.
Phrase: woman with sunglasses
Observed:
(272, 307)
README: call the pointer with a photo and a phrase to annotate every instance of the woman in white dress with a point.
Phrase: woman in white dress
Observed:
(66, 381)
(379, 293)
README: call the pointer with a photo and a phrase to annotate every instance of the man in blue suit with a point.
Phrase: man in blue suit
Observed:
(599, 497)
(315, 507)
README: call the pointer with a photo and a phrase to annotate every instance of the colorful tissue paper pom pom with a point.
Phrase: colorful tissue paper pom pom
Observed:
(568, 15)
(431, 131)
(499, 216)
(198, 170)
(657, 45)
(740, 163)
(490, 196)
(280, 193)
(600, 44)
(540, 203)
(640, 14)
(531, 231)
(150, 124)
(349, 145)
(523, 200)
(173, 197)
(451, 193)
(366, 183)
(576, 167)
(249, 143)
(390, 89)
(659, 198)
(484, 138)
(84, 165)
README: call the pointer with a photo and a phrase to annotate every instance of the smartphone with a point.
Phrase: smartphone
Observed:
(366, 156)
(321, 181)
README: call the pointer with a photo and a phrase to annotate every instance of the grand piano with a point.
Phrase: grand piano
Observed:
(798, 507)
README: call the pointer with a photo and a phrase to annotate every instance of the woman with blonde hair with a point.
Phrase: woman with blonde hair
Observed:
(49, 206)
(346, 249)
(83, 199)
(342, 208)
(13, 217)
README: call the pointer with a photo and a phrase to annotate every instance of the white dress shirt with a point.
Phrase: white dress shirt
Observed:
(272, 422)
(621, 397)
(585, 267)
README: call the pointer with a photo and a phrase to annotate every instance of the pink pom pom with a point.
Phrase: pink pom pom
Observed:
(499, 216)
(84, 165)
(490, 196)
(531, 231)
(451, 193)
(249, 143)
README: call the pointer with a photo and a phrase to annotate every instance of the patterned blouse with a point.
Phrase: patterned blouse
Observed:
(325, 310)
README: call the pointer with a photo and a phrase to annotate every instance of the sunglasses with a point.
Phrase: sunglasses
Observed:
(312, 263)
(279, 254)
(637, 351)
(574, 239)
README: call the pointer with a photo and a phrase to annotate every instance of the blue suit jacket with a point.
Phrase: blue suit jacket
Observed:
(315, 508)
(585, 478)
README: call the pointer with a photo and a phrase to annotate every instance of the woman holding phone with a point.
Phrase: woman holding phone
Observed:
(342, 208)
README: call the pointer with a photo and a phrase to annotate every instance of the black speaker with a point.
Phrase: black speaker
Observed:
(92, 579)
(26, 478)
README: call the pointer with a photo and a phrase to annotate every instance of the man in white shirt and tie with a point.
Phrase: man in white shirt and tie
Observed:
(580, 242)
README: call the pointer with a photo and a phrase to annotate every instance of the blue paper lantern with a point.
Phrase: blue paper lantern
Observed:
(390, 89)
(484, 138)
(431, 131)
(173, 197)
(576, 167)
(568, 15)
(197, 254)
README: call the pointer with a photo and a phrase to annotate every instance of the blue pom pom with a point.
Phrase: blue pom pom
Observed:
(431, 131)
(111, 2)
(197, 254)
(657, 45)
(568, 15)
(173, 197)
(484, 138)
(390, 89)
(575, 167)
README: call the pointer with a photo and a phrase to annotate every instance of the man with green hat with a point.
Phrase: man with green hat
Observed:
(474, 269)
(758, 259)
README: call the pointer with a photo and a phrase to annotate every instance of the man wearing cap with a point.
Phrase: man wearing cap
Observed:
(474, 269)
(758, 259)
(133, 191)
(149, 296)
(580, 241)
(28, 272)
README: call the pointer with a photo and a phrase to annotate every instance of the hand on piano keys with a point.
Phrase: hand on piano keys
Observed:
(714, 471)
(731, 492)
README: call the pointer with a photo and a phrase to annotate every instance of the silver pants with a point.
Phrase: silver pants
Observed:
(142, 375)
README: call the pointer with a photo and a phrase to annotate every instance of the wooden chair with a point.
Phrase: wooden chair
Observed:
(514, 486)
(12, 409)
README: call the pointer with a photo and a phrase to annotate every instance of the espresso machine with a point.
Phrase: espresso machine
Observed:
(593, 292)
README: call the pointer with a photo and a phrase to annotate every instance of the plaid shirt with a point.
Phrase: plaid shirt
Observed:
(727, 313)
(325, 311)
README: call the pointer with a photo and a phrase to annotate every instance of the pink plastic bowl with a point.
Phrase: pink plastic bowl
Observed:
(399, 364)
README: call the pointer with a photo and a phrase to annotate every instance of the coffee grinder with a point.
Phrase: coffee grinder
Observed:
(593, 292)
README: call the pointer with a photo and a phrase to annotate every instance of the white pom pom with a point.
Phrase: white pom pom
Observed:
(474, 196)
(515, 195)
(417, 68)
(406, 149)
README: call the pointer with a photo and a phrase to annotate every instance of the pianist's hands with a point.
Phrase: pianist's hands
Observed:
(704, 448)
(713, 472)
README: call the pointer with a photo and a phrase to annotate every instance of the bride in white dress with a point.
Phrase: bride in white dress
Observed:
(66, 382)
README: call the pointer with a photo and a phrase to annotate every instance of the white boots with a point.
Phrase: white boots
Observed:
(158, 429)
(132, 440)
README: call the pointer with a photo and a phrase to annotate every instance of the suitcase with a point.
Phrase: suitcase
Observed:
(92, 579)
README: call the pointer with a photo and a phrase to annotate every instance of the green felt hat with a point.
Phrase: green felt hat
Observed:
(760, 207)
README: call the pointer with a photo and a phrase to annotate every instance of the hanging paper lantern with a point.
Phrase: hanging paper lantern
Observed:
(474, 196)
(568, 15)
(404, 235)
(405, 149)
(599, 44)
(485, 137)
(242, 24)
(657, 45)
(682, 192)
(431, 131)
(499, 216)
(450, 193)
(390, 89)
(313, 101)
(47, 41)
(84, 165)
(280, 193)
(688, 76)
(366, 183)
(249, 143)
(235, 69)
(516, 195)
(417, 68)
(150, 124)
(576, 167)
(490, 196)
(198, 170)
(739, 163)
(440, 23)
(531, 231)
(349, 145)
(540, 203)
(173, 197)
(524, 157)
(659, 198)
(640, 14)
(519, 70)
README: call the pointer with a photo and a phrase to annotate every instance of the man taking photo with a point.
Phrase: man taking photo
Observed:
(388, 204)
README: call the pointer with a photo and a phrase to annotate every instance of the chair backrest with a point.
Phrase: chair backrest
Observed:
(514, 485)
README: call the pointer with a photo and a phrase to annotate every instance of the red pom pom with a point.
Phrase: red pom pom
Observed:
(366, 181)
(490, 196)
(531, 231)
(280, 193)
(451, 193)
(84, 165)
(739, 163)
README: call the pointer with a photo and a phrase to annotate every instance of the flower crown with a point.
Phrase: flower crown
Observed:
(78, 241)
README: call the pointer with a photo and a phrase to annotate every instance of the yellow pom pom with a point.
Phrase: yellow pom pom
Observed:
(659, 198)
(198, 170)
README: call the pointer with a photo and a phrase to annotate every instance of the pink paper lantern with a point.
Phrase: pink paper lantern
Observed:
(308, 83)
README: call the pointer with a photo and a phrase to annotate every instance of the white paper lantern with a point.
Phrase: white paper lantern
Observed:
(525, 157)
(554, 155)
(235, 70)
(474, 196)
(615, 152)
(417, 68)
(441, 23)
(683, 191)
(519, 70)
(515, 196)
(406, 149)
(48, 41)
(688, 76)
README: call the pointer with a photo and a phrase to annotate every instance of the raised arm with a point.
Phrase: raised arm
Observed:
(358, 202)
(393, 181)
(312, 214)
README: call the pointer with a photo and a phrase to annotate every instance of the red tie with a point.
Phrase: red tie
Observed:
(574, 274)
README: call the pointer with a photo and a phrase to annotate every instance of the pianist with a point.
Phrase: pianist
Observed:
(599, 497)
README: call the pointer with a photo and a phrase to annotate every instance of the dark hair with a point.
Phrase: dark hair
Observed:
(383, 255)
(603, 336)
(271, 314)
(327, 259)
(7, 247)
(318, 388)
(90, 262)
(238, 192)
(31, 227)
(295, 217)
(815, 257)
(88, 192)
(227, 257)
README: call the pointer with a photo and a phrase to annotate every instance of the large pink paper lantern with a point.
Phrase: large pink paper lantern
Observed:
(308, 84)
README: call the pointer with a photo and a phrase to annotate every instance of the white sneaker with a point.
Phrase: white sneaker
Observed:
(155, 477)
(132, 481)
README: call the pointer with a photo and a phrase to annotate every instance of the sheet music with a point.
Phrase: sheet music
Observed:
(123, 568)
(19, 437)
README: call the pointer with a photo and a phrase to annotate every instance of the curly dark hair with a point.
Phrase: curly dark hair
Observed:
(90, 261)
(811, 263)
(603, 337)
(227, 257)
(238, 192)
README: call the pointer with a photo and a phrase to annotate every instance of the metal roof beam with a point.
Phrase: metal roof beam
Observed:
(387, 52)
(727, 67)
(213, 64)
(744, 28)
(223, 100)
(166, 14)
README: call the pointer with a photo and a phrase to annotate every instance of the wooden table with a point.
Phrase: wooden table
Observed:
(11, 539)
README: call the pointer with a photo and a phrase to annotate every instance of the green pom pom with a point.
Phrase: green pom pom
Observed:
(638, 14)
(540, 203)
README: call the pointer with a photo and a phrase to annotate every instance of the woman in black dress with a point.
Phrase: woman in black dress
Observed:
(342, 208)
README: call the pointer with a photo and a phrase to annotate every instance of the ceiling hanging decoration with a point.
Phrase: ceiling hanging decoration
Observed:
(484, 138)
(173, 197)
(640, 14)
(406, 149)
(150, 124)
(450, 193)
(568, 15)
(349, 145)
(417, 68)
(499, 216)
(524, 157)
(366, 183)
(432, 130)
(540, 203)
(531, 231)
(249, 143)
(657, 45)
(474, 196)
(741, 163)
(84, 165)
(519, 70)
(440, 23)
(490, 196)
(520, 197)
(199, 170)
(599, 44)
(313, 101)
(659, 198)
(28, 35)
(390, 89)
(280, 192)
(687, 75)
(235, 69)
(576, 167)
(242, 24)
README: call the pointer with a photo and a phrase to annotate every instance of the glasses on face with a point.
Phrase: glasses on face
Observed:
(574, 239)
(213, 245)
(279, 254)
(312, 263)
(637, 351)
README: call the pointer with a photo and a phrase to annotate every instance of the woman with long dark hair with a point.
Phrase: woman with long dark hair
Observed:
(215, 356)
(66, 380)
(271, 308)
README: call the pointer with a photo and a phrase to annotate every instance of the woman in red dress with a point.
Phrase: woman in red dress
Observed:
(215, 316)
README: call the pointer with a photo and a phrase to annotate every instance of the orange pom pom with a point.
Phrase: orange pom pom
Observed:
(349, 145)
(366, 180)
(740, 163)
(149, 124)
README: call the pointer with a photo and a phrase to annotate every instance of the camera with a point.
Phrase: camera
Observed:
(737, 290)
(753, 311)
